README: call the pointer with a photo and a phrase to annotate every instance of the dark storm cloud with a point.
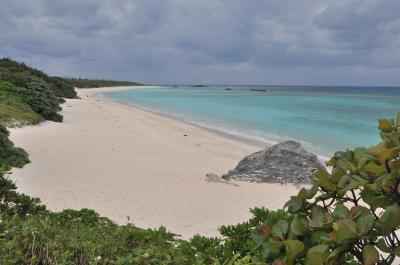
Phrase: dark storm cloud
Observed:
(213, 41)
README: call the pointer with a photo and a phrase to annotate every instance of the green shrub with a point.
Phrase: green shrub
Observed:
(14, 203)
(14, 111)
(92, 83)
(58, 238)
(10, 156)
(61, 89)
(21, 106)
(20, 75)
(42, 100)
(349, 216)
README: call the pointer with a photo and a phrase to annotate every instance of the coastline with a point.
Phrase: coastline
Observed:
(236, 137)
(122, 161)
(259, 142)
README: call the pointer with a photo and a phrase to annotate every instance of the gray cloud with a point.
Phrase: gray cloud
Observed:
(213, 41)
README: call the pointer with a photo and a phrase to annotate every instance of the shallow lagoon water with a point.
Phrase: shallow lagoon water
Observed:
(324, 119)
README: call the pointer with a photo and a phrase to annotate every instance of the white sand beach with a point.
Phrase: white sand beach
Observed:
(122, 161)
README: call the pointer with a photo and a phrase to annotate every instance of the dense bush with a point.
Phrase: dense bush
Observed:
(61, 89)
(82, 237)
(20, 75)
(27, 94)
(10, 156)
(91, 83)
(42, 100)
(14, 109)
(349, 216)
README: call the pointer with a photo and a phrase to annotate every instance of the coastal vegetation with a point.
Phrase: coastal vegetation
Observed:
(28, 105)
(10, 156)
(14, 109)
(92, 83)
(21, 74)
(42, 100)
(29, 96)
(349, 216)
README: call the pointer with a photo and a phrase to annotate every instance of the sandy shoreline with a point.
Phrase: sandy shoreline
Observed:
(122, 161)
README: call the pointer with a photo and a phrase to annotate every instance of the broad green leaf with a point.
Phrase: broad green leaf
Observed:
(390, 180)
(323, 179)
(280, 228)
(342, 181)
(341, 211)
(381, 202)
(355, 211)
(373, 169)
(346, 231)
(337, 174)
(320, 237)
(368, 196)
(312, 191)
(336, 256)
(371, 186)
(370, 255)
(365, 223)
(302, 196)
(293, 248)
(390, 218)
(317, 255)
(294, 204)
(299, 226)
(271, 250)
(398, 119)
(355, 179)
(346, 165)
(317, 217)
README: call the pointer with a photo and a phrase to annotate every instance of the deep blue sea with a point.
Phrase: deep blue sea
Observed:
(324, 119)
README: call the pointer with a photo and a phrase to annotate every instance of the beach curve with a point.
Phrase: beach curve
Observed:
(132, 165)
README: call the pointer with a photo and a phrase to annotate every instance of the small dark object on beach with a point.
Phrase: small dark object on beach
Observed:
(185, 135)
(258, 90)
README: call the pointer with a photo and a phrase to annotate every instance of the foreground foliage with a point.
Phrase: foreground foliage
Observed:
(349, 216)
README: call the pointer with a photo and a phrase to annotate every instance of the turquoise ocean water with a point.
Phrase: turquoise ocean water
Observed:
(324, 119)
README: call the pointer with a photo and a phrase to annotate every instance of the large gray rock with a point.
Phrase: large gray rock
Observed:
(285, 162)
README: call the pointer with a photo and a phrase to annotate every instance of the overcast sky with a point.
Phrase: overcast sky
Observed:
(314, 42)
